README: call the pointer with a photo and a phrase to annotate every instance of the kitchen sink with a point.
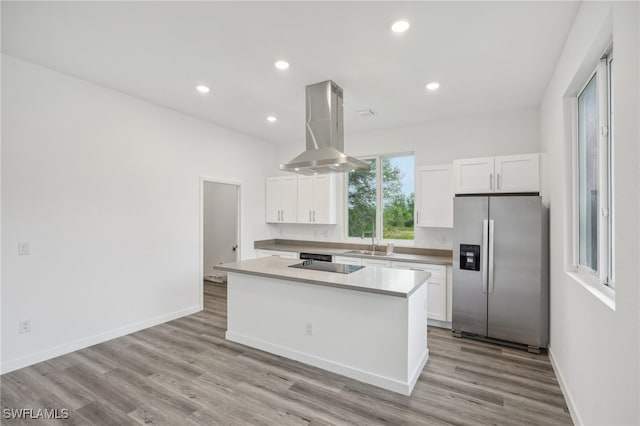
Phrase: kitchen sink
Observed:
(368, 252)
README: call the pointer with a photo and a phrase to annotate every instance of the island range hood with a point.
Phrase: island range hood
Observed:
(325, 135)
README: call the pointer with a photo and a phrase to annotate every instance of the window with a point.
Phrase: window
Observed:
(593, 188)
(384, 196)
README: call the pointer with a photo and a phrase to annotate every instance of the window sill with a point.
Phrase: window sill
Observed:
(605, 294)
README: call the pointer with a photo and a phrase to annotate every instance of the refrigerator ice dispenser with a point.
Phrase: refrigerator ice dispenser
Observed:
(470, 257)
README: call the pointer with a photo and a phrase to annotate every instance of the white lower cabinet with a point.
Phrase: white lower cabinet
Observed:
(346, 260)
(376, 262)
(276, 253)
(357, 261)
(436, 287)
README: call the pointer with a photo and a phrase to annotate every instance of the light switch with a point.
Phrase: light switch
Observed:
(23, 248)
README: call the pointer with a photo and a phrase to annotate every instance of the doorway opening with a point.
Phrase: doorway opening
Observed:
(220, 230)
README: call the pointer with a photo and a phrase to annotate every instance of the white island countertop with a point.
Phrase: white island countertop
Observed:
(371, 279)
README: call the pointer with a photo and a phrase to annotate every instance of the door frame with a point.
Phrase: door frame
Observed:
(238, 185)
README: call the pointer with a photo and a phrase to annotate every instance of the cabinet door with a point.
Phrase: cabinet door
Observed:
(436, 287)
(434, 196)
(276, 253)
(289, 200)
(324, 199)
(518, 173)
(273, 200)
(347, 260)
(437, 299)
(474, 175)
(305, 199)
(376, 262)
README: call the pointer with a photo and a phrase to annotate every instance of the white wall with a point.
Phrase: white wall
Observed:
(596, 349)
(437, 142)
(106, 190)
(219, 223)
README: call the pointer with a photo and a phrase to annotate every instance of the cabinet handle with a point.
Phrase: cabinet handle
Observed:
(498, 180)
(314, 215)
(417, 217)
(491, 181)
(309, 215)
(281, 216)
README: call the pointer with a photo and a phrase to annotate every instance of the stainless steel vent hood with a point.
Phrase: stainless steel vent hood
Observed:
(325, 135)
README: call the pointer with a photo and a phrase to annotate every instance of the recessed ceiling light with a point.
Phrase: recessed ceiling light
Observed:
(400, 26)
(202, 89)
(282, 65)
(272, 119)
(433, 85)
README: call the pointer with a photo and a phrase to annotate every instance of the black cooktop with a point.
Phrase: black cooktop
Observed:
(327, 267)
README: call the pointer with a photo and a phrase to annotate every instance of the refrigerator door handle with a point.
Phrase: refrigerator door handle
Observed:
(491, 235)
(485, 243)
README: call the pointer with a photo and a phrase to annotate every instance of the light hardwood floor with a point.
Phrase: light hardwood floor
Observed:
(184, 372)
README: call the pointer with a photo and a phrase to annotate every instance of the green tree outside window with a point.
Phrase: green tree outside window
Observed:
(397, 198)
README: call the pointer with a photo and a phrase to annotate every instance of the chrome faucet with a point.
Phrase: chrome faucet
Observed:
(373, 233)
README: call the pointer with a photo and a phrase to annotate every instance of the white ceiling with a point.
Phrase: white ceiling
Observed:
(487, 56)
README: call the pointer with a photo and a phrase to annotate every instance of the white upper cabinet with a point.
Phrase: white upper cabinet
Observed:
(505, 174)
(473, 175)
(305, 199)
(434, 196)
(282, 199)
(518, 173)
(317, 199)
(301, 199)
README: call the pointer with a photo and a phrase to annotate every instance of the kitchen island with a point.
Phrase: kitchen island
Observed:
(369, 325)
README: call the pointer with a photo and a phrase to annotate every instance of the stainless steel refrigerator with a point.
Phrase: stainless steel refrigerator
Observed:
(501, 269)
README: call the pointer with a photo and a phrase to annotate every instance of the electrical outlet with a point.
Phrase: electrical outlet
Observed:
(309, 329)
(23, 248)
(24, 326)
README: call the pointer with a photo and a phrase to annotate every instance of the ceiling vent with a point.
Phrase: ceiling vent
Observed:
(365, 113)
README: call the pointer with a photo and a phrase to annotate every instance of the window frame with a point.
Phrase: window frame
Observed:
(379, 203)
(604, 275)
